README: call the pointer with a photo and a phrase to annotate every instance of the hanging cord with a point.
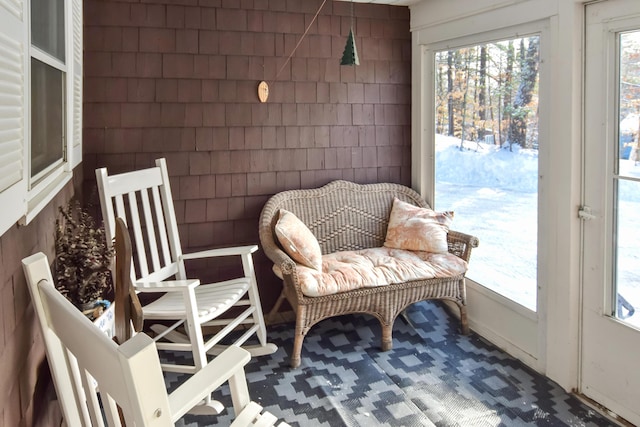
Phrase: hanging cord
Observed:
(352, 19)
(303, 36)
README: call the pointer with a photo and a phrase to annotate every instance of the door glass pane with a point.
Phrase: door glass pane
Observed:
(47, 116)
(486, 161)
(628, 251)
(627, 180)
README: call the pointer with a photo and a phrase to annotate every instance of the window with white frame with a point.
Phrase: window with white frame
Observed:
(48, 74)
(40, 103)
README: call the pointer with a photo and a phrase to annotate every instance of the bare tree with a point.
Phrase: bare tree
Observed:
(508, 84)
(463, 114)
(488, 89)
(482, 79)
(450, 91)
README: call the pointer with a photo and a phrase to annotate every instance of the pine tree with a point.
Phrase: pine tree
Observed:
(528, 79)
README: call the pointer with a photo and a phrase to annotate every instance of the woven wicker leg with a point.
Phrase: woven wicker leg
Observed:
(387, 341)
(464, 324)
(300, 332)
(297, 349)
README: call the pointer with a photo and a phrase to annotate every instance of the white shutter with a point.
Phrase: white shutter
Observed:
(15, 7)
(75, 70)
(18, 201)
(11, 111)
(13, 59)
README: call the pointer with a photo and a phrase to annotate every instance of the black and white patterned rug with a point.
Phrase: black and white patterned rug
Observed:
(433, 377)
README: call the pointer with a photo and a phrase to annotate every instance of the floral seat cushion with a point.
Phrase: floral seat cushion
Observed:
(349, 270)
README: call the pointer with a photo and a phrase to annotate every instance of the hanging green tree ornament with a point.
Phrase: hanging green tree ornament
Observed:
(350, 54)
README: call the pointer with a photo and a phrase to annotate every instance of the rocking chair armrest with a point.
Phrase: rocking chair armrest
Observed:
(167, 285)
(235, 250)
(223, 368)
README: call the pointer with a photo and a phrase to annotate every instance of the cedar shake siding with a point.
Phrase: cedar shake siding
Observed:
(178, 79)
(25, 382)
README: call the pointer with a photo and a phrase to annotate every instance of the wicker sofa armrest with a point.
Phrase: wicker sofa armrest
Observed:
(279, 258)
(286, 264)
(460, 244)
(290, 277)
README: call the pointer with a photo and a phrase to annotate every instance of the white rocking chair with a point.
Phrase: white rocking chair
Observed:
(100, 382)
(143, 200)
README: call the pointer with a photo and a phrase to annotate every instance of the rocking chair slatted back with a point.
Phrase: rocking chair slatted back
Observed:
(138, 198)
(143, 200)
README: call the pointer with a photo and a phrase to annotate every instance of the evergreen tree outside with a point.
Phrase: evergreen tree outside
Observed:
(521, 104)
(490, 90)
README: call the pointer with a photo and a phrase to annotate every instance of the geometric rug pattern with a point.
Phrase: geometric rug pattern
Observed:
(433, 376)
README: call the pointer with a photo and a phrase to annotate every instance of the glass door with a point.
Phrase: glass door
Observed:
(486, 158)
(611, 211)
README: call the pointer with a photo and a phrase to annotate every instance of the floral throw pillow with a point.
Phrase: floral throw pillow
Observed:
(414, 228)
(298, 241)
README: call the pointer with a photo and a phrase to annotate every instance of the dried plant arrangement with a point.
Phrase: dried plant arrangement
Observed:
(83, 259)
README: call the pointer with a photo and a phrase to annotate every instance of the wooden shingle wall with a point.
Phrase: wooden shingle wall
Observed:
(179, 79)
(25, 384)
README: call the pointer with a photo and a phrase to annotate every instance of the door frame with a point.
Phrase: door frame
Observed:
(494, 316)
(599, 378)
(547, 341)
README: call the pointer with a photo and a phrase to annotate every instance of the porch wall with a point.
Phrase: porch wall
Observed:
(25, 386)
(179, 80)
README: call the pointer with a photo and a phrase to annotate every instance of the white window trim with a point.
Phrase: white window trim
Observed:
(44, 192)
(24, 200)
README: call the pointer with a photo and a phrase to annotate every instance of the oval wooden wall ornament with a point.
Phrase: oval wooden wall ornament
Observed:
(263, 91)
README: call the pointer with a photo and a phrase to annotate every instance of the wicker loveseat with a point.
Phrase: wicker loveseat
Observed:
(344, 216)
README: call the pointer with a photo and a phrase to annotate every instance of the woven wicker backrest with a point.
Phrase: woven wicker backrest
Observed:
(342, 215)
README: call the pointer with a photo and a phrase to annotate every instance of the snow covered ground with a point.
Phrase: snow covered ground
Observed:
(494, 195)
